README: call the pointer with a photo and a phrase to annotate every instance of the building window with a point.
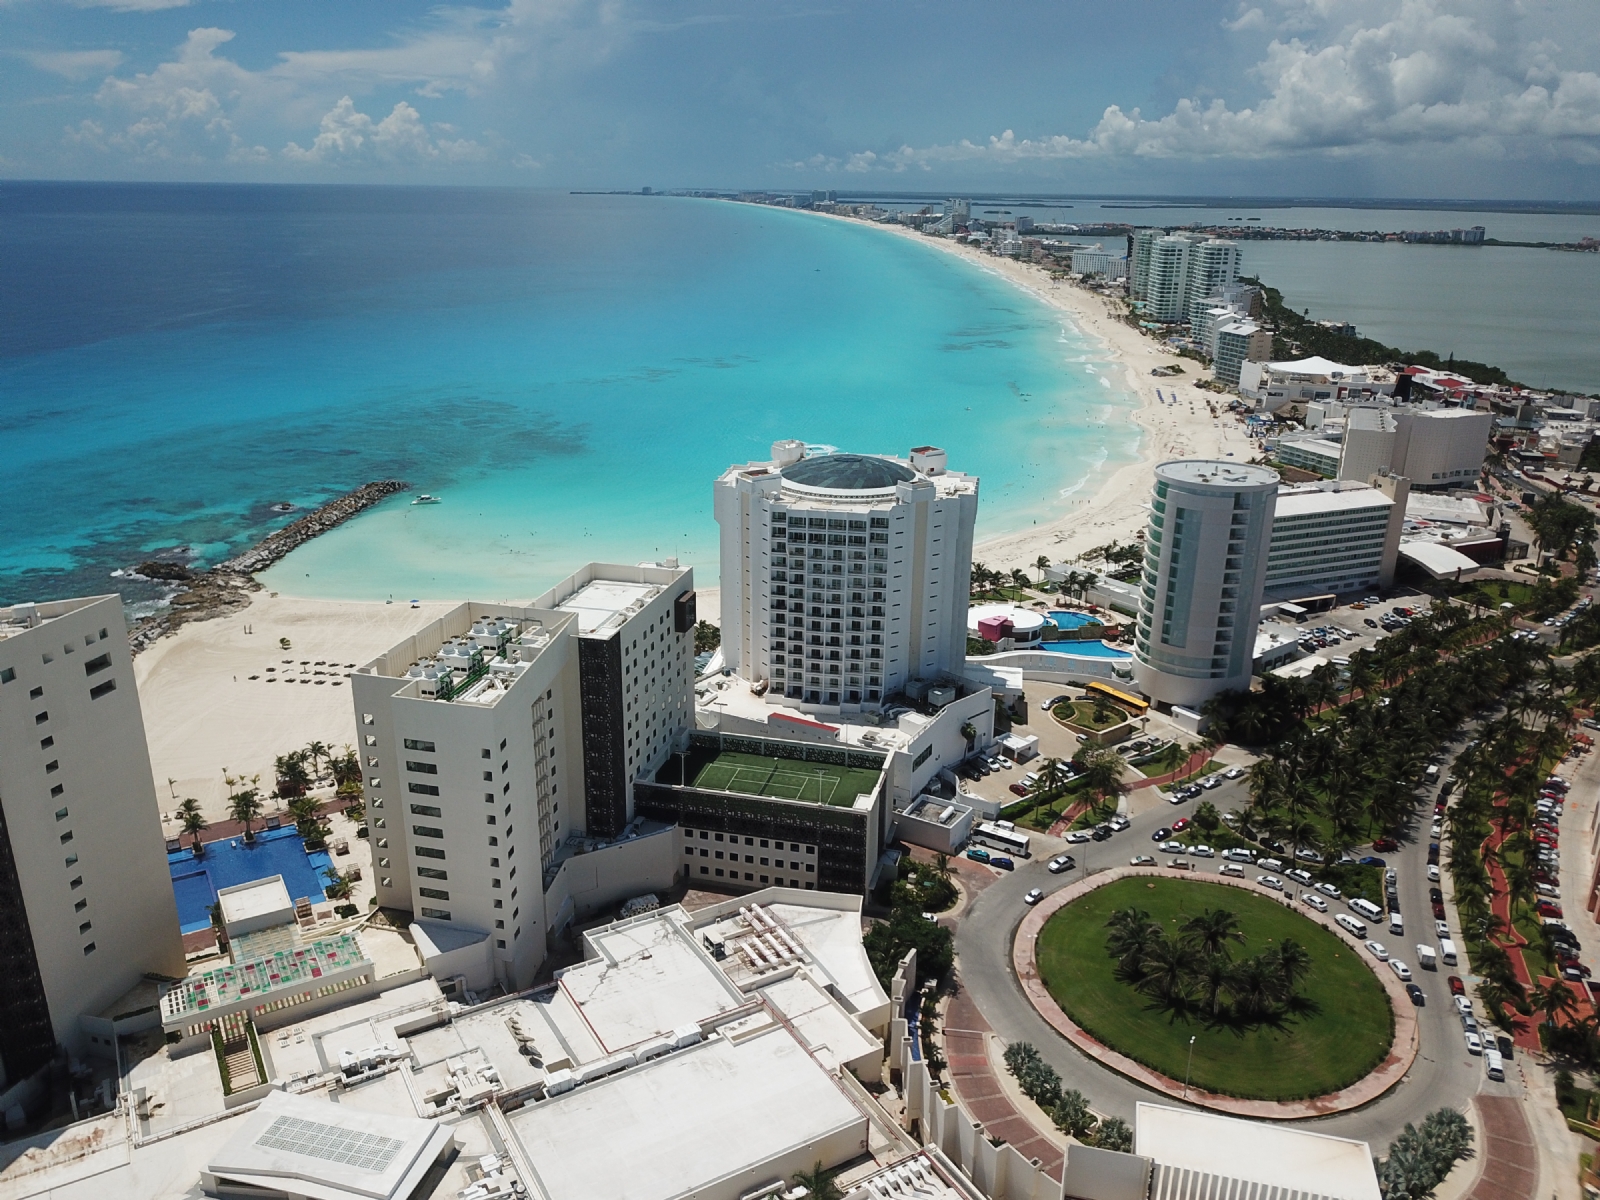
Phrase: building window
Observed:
(426, 810)
(427, 852)
(437, 914)
(89, 949)
(432, 873)
(433, 893)
(421, 768)
(427, 831)
(422, 789)
(415, 744)
(101, 689)
(98, 663)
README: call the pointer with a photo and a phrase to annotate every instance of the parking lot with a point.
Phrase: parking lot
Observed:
(1340, 632)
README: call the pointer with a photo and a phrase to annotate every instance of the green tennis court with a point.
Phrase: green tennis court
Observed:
(783, 778)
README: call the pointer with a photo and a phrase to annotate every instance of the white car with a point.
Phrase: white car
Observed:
(1474, 1043)
(1231, 868)
(1270, 881)
(1327, 889)
(1141, 860)
(1463, 1005)
(1202, 851)
(1440, 928)
(1312, 900)
(1433, 872)
(1078, 836)
(1400, 969)
(1172, 847)
(1033, 897)
(1233, 773)
(1118, 824)
(1378, 951)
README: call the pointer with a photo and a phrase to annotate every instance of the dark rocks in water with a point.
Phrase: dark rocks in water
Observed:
(164, 570)
(283, 507)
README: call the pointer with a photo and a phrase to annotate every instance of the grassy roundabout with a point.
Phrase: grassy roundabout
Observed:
(1338, 1029)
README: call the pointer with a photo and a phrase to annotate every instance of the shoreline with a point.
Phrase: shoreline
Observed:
(1115, 509)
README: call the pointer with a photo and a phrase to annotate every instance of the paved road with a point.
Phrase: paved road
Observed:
(1444, 1074)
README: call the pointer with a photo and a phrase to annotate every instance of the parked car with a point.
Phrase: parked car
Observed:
(1210, 782)
(1474, 1043)
(1233, 773)
(1400, 969)
(1386, 845)
(1435, 896)
(1033, 897)
(1441, 929)
(1457, 988)
(1118, 824)
(1018, 789)
(1231, 868)
(1060, 863)
(1299, 876)
(1378, 951)
(1079, 836)
(1416, 994)
(1181, 864)
(1171, 847)
(1101, 833)
(1238, 854)
(1161, 834)
(1180, 825)
(1270, 881)
(1305, 855)
(978, 854)
(1463, 1005)
(1370, 861)
(1005, 864)
(1141, 860)
(1312, 900)
(1327, 889)
(1202, 851)
(1433, 870)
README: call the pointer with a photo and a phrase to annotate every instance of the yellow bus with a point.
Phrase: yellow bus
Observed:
(1126, 699)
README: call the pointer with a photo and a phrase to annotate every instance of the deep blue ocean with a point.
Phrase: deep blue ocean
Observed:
(570, 373)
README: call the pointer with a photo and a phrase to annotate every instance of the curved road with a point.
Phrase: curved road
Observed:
(1444, 1074)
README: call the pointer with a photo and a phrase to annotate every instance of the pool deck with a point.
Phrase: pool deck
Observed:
(228, 861)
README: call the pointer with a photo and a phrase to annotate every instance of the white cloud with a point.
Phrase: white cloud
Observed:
(1420, 73)
(350, 136)
(75, 64)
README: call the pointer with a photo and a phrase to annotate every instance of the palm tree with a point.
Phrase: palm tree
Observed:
(193, 822)
(1553, 1001)
(318, 752)
(1293, 962)
(1211, 932)
(244, 805)
(1131, 929)
(1041, 563)
(1168, 969)
(337, 886)
(819, 1183)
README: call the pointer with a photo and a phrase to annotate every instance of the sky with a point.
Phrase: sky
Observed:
(1479, 99)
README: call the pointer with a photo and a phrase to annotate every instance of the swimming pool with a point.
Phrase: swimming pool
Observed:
(229, 861)
(1087, 649)
(1072, 620)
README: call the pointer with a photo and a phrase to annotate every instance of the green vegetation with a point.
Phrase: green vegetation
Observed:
(784, 778)
(1559, 526)
(907, 929)
(707, 637)
(978, 647)
(1315, 339)
(1095, 715)
(926, 887)
(1068, 1108)
(1325, 1032)
(1420, 1158)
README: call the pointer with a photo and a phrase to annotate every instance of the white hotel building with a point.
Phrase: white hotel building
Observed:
(844, 576)
(86, 903)
(472, 739)
(1335, 537)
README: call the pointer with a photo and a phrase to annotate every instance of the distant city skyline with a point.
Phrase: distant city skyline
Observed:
(1420, 98)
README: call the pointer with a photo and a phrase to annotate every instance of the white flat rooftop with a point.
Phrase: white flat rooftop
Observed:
(248, 901)
(603, 602)
(329, 1151)
(1315, 501)
(713, 1114)
(1297, 1161)
(649, 980)
(1436, 558)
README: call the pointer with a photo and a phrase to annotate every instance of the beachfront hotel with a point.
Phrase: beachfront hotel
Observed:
(86, 904)
(844, 576)
(635, 634)
(472, 743)
(1205, 567)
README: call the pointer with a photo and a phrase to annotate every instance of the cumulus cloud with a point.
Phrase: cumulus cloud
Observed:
(1423, 72)
(75, 64)
(347, 135)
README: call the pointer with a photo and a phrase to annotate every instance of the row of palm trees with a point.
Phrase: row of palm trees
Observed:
(296, 773)
(1099, 776)
(1193, 973)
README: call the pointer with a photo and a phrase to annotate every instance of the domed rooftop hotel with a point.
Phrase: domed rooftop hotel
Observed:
(844, 576)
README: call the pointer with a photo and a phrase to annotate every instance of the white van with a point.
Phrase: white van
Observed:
(1493, 1065)
(1396, 925)
(1366, 908)
(1239, 855)
(1426, 958)
(1447, 951)
(1431, 774)
(1232, 868)
(1351, 925)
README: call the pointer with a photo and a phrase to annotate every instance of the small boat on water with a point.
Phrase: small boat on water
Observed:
(425, 498)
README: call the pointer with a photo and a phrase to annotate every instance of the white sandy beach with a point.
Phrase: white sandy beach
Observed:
(204, 714)
(1115, 509)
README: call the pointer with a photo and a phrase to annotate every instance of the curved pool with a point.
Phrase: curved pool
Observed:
(1086, 649)
(1072, 620)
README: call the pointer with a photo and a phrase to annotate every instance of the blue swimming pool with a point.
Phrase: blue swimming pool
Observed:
(1087, 649)
(1072, 620)
(229, 861)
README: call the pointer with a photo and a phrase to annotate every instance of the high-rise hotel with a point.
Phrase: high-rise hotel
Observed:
(844, 576)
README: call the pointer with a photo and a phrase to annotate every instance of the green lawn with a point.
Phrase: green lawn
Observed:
(1309, 1056)
(785, 778)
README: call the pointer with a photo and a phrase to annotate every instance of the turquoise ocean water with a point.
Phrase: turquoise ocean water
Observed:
(570, 373)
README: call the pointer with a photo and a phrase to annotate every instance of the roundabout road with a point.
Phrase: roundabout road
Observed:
(1444, 1074)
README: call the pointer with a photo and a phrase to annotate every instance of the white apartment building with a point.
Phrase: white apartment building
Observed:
(472, 742)
(1166, 284)
(1177, 274)
(1213, 267)
(844, 576)
(1238, 342)
(1097, 261)
(1433, 447)
(1335, 537)
(1315, 454)
(86, 903)
(635, 634)
(1204, 569)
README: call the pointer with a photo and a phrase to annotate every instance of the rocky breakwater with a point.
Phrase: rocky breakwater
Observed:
(226, 587)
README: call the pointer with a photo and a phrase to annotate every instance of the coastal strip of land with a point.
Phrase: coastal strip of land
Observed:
(226, 587)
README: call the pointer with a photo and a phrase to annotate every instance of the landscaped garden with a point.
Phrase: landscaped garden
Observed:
(1094, 715)
(1279, 1008)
